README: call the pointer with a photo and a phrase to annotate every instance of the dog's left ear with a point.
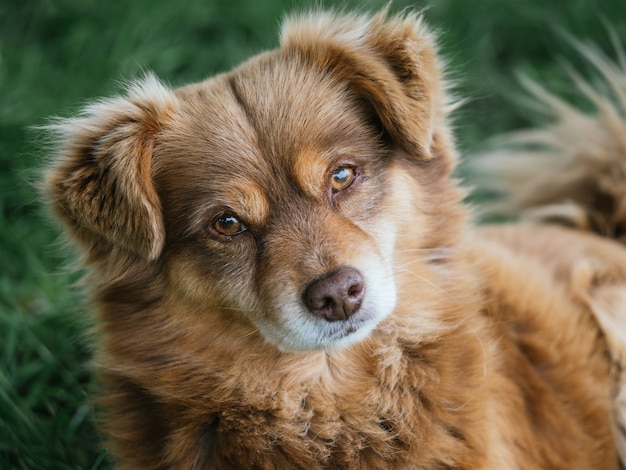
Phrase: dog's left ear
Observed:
(391, 62)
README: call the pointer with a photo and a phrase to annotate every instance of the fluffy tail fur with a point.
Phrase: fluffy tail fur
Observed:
(572, 171)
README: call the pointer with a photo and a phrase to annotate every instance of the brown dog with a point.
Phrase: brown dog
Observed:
(284, 274)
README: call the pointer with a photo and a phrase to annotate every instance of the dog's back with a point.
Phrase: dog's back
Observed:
(572, 173)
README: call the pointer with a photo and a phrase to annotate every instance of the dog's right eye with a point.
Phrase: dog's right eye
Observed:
(229, 225)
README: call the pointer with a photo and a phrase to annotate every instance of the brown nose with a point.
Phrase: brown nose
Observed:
(336, 296)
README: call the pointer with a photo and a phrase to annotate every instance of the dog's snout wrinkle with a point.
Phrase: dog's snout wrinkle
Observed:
(337, 296)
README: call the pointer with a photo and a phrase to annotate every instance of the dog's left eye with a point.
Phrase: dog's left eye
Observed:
(229, 225)
(341, 178)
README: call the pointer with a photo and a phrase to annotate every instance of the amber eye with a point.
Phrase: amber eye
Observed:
(341, 178)
(229, 225)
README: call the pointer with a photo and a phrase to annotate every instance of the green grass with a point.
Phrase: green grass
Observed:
(56, 54)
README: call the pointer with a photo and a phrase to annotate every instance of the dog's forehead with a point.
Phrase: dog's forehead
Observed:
(266, 114)
(291, 104)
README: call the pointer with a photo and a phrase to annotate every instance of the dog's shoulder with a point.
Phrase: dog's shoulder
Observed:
(547, 275)
(543, 288)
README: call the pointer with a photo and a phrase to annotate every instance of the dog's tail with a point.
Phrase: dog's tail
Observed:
(572, 171)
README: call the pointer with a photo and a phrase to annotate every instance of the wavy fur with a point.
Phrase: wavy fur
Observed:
(283, 274)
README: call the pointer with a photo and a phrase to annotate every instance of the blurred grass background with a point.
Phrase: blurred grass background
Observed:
(57, 54)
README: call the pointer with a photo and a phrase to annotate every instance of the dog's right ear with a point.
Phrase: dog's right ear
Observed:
(100, 183)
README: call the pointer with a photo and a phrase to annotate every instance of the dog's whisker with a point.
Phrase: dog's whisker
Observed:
(432, 254)
(248, 334)
(246, 310)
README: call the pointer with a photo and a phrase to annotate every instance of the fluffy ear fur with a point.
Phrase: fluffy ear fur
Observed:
(101, 184)
(391, 62)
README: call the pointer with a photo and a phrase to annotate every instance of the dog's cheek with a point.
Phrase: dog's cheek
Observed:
(209, 279)
(283, 273)
(390, 209)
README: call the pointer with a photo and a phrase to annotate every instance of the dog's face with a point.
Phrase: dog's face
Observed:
(275, 194)
(275, 204)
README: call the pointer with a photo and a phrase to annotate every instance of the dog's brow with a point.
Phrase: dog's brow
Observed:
(309, 170)
(249, 200)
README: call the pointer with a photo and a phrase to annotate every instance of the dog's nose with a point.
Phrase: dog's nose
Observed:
(336, 296)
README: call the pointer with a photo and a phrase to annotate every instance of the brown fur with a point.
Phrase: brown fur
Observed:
(471, 349)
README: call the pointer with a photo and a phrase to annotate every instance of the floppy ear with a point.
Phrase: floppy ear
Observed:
(391, 62)
(100, 184)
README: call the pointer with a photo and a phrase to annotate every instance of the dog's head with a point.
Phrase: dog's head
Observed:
(278, 193)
